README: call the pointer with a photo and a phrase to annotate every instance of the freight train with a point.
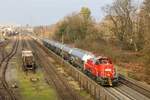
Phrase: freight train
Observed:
(100, 68)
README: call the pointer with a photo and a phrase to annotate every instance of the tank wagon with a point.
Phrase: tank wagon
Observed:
(101, 68)
(28, 60)
(2, 41)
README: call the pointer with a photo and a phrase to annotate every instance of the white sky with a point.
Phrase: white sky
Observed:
(38, 12)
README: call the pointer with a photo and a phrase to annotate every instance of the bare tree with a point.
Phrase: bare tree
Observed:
(122, 13)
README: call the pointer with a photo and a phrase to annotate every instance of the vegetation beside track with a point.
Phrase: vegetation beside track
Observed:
(29, 90)
(35, 90)
(39, 90)
(72, 82)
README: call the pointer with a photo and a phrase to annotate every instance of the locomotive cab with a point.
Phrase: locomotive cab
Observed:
(103, 60)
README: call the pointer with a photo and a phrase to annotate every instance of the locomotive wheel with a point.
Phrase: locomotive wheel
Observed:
(23, 68)
(85, 71)
(115, 84)
(34, 71)
(102, 83)
(95, 78)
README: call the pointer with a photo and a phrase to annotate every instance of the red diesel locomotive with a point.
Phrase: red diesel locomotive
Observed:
(102, 69)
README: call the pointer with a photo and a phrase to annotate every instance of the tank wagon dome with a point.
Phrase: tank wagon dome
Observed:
(50, 42)
(67, 49)
(46, 40)
(83, 55)
(88, 56)
(1, 41)
(59, 45)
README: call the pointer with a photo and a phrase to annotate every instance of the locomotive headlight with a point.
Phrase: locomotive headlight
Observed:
(108, 75)
(108, 70)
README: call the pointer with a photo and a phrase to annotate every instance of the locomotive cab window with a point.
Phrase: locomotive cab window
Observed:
(102, 61)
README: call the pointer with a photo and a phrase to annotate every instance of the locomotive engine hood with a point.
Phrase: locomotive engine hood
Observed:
(108, 70)
(105, 67)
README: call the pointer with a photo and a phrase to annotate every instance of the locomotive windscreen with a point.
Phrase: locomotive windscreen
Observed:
(103, 61)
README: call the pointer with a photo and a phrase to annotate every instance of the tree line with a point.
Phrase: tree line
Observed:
(126, 22)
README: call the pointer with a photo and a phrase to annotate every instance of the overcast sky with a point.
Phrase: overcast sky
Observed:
(39, 12)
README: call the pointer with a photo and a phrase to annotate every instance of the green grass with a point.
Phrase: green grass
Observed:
(85, 94)
(39, 90)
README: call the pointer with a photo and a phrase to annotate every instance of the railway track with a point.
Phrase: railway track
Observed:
(126, 90)
(63, 88)
(144, 90)
(3, 53)
(6, 92)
